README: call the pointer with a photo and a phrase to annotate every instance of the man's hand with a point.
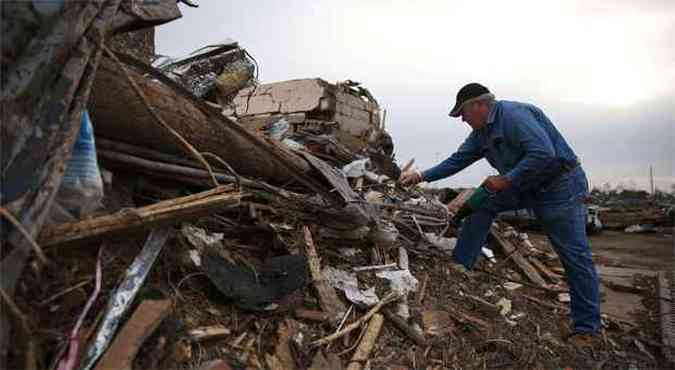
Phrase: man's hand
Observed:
(410, 177)
(497, 183)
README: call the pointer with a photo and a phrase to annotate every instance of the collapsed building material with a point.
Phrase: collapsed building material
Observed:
(312, 315)
(517, 257)
(403, 326)
(121, 116)
(349, 284)
(389, 298)
(244, 247)
(124, 295)
(283, 359)
(402, 282)
(208, 333)
(315, 209)
(362, 353)
(437, 322)
(133, 220)
(329, 361)
(552, 276)
(49, 60)
(328, 299)
(215, 73)
(666, 296)
(136, 330)
(349, 106)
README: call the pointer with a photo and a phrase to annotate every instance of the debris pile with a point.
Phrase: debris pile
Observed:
(634, 210)
(247, 226)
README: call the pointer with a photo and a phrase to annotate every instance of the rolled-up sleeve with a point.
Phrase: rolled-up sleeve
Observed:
(468, 153)
(539, 153)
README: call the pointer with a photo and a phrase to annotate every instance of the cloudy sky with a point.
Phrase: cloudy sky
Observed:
(604, 71)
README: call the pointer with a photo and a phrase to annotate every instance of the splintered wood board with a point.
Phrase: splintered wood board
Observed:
(667, 315)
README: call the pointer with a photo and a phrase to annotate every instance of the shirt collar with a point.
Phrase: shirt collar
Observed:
(492, 114)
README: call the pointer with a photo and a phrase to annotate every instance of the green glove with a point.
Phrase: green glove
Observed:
(477, 200)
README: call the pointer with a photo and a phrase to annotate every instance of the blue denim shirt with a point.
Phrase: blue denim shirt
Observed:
(518, 140)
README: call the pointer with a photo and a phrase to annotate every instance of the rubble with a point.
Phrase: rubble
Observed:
(137, 329)
(236, 208)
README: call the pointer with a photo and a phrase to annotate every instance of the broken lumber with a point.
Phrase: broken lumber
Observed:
(329, 361)
(391, 297)
(465, 318)
(283, 358)
(121, 116)
(208, 333)
(367, 344)
(406, 329)
(667, 314)
(142, 323)
(311, 315)
(510, 250)
(402, 308)
(419, 295)
(143, 218)
(545, 270)
(328, 299)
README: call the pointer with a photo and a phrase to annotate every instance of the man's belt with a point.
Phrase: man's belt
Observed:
(565, 167)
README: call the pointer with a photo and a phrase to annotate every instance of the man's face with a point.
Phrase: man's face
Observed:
(475, 114)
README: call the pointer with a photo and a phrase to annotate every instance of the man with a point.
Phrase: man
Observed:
(537, 170)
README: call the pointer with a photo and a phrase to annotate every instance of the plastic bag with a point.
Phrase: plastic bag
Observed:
(81, 189)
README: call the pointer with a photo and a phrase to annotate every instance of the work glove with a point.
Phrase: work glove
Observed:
(497, 183)
(410, 178)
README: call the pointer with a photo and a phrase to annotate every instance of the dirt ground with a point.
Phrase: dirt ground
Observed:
(618, 248)
(639, 253)
(650, 251)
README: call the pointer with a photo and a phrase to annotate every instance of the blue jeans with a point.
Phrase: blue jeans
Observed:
(560, 210)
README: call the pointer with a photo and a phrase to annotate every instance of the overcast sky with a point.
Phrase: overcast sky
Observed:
(603, 71)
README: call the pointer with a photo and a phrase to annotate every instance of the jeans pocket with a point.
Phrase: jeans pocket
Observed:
(558, 192)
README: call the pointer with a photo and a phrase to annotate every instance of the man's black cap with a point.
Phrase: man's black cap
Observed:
(465, 94)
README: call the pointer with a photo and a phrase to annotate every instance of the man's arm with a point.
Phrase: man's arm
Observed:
(467, 153)
(529, 134)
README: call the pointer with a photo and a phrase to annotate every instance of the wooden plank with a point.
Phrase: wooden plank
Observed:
(328, 299)
(129, 340)
(208, 333)
(408, 330)
(545, 270)
(464, 318)
(311, 315)
(362, 353)
(667, 315)
(137, 219)
(623, 272)
(510, 250)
